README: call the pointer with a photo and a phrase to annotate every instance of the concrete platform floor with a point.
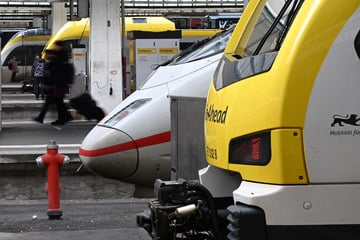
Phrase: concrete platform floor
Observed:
(93, 207)
(81, 220)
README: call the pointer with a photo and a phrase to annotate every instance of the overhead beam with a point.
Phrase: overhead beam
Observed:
(19, 9)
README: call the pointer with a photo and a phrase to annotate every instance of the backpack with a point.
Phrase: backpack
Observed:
(39, 69)
(10, 65)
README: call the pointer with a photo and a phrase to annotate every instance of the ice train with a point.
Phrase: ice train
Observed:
(132, 143)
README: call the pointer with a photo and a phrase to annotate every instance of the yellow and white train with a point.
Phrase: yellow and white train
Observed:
(282, 128)
(77, 32)
(26, 43)
(23, 45)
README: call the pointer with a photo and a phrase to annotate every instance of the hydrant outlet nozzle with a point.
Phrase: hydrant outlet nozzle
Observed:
(66, 159)
(39, 162)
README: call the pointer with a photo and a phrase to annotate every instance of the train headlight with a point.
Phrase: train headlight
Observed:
(252, 150)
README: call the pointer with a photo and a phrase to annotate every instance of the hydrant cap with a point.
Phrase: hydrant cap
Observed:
(52, 145)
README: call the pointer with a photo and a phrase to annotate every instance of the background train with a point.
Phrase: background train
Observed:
(132, 143)
(26, 43)
(76, 34)
(23, 45)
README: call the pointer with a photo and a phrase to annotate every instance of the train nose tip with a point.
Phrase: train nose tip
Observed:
(109, 152)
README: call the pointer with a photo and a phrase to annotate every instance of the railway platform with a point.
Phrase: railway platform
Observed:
(93, 207)
(82, 219)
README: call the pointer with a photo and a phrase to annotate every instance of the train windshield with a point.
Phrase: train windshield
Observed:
(257, 54)
(271, 27)
(210, 47)
(123, 113)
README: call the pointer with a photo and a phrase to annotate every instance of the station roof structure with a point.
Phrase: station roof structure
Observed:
(18, 13)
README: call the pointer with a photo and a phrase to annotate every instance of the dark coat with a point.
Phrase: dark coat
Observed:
(59, 75)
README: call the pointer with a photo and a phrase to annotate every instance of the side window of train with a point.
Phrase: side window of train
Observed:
(19, 53)
(32, 51)
(357, 44)
(25, 55)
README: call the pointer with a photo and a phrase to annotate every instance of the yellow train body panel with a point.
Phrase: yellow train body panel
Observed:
(81, 28)
(275, 100)
(20, 40)
(199, 32)
(70, 30)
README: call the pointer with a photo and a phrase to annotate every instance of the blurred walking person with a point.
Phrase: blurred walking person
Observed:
(59, 73)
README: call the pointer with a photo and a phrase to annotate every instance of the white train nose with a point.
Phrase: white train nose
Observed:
(109, 152)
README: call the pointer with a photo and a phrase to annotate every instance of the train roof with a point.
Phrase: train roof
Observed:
(81, 28)
(32, 32)
(28, 35)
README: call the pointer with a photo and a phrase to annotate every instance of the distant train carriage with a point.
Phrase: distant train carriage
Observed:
(23, 45)
(77, 33)
(212, 21)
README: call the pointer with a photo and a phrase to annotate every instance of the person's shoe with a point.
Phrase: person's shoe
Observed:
(69, 117)
(38, 120)
(57, 122)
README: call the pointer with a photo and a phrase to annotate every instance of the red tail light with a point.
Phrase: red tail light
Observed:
(252, 150)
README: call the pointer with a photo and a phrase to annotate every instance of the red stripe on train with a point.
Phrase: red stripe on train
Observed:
(142, 142)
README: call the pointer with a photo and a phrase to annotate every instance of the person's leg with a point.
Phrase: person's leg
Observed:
(13, 77)
(63, 115)
(41, 88)
(36, 87)
(41, 116)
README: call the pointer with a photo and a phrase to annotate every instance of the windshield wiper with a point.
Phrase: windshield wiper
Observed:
(272, 27)
(295, 8)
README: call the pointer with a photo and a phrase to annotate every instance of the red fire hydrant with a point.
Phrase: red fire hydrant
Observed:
(52, 160)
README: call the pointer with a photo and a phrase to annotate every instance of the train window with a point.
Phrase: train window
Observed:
(264, 42)
(215, 45)
(19, 53)
(32, 52)
(271, 27)
(124, 112)
(181, 23)
(217, 21)
(190, 22)
(203, 49)
(223, 20)
(139, 20)
(24, 55)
